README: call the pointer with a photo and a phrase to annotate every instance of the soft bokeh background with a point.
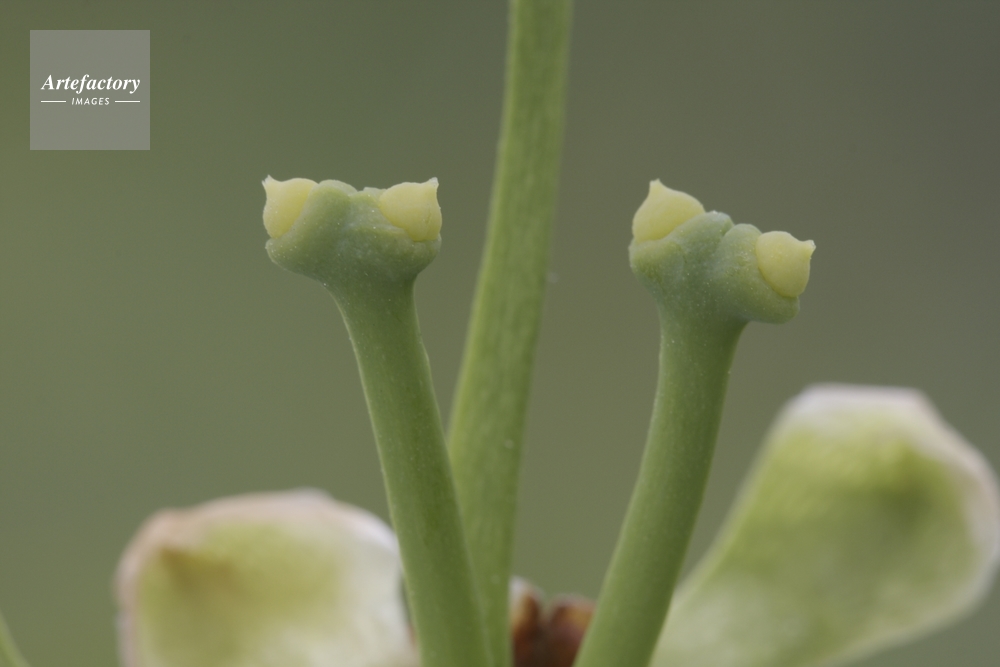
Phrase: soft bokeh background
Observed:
(151, 355)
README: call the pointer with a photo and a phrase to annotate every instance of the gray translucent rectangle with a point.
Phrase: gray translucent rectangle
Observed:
(107, 104)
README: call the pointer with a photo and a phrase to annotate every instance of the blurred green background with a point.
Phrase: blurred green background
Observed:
(151, 355)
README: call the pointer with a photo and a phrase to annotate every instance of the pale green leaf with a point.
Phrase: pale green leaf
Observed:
(266, 580)
(868, 521)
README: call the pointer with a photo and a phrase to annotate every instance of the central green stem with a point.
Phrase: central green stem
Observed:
(695, 358)
(491, 400)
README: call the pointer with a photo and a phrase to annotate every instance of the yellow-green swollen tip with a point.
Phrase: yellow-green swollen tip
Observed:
(663, 211)
(414, 208)
(285, 200)
(784, 262)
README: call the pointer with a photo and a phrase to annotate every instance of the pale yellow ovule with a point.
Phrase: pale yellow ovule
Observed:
(414, 208)
(663, 211)
(285, 200)
(784, 262)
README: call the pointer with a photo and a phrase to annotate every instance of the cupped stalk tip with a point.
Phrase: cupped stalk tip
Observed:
(346, 238)
(697, 261)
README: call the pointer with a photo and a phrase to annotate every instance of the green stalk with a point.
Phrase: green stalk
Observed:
(488, 415)
(367, 249)
(694, 371)
(404, 413)
(708, 278)
(9, 655)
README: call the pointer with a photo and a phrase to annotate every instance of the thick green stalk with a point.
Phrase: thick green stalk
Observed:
(404, 413)
(367, 249)
(708, 278)
(488, 416)
(9, 655)
(694, 371)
